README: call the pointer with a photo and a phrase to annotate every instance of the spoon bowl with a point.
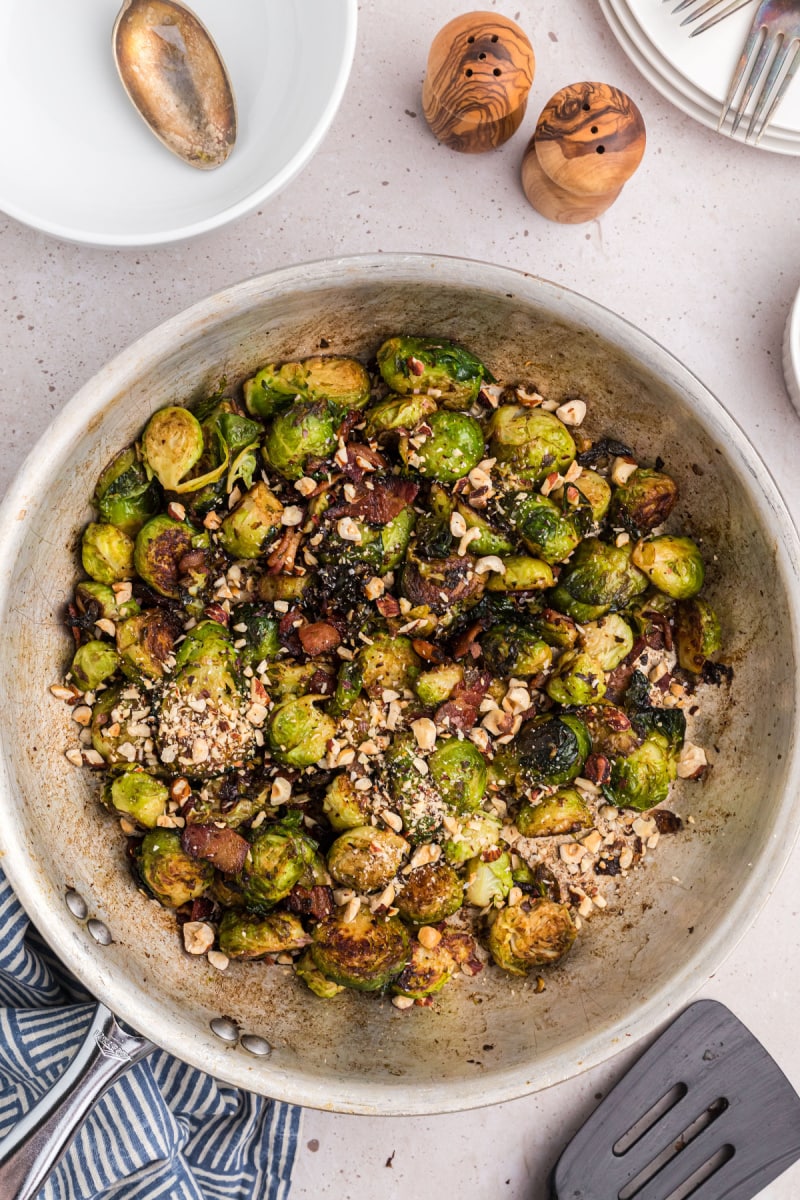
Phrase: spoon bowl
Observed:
(176, 79)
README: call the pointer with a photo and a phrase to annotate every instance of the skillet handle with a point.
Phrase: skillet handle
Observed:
(33, 1147)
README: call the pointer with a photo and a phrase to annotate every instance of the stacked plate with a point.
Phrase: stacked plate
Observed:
(695, 72)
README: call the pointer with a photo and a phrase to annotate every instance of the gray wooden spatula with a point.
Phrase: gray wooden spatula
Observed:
(705, 1114)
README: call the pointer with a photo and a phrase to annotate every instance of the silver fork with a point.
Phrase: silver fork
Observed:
(772, 46)
(708, 6)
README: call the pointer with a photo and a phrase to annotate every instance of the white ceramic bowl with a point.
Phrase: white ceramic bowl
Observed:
(489, 1038)
(791, 353)
(80, 163)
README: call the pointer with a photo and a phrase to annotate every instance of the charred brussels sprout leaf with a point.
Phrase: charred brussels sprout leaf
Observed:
(366, 858)
(531, 934)
(672, 564)
(253, 524)
(299, 731)
(172, 444)
(445, 586)
(424, 364)
(244, 936)
(94, 662)
(125, 496)
(137, 794)
(644, 501)
(160, 545)
(529, 443)
(167, 870)
(697, 633)
(260, 634)
(458, 769)
(342, 381)
(302, 433)
(365, 953)
(430, 893)
(565, 811)
(107, 553)
(452, 448)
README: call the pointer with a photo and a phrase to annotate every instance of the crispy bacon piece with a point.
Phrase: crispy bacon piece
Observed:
(362, 460)
(319, 638)
(225, 848)
(314, 902)
(379, 504)
(461, 710)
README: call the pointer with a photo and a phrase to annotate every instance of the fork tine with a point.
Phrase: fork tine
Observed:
(752, 82)
(761, 109)
(749, 46)
(733, 7)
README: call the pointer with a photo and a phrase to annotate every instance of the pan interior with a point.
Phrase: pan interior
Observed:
(491, 1037)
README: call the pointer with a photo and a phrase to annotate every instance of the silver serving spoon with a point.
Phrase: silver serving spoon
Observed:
(175, 77)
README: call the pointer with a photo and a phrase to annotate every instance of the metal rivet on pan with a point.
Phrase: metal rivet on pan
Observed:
(256, 1045)
(225, 1029)
(100, 932)
(76, 905)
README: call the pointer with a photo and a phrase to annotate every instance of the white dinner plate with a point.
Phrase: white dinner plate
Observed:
(694, 73)
(79, 162)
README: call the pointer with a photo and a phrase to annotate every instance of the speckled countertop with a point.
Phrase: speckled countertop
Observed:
(702, 251)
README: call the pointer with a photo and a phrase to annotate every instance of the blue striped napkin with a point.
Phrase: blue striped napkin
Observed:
(164, 1131)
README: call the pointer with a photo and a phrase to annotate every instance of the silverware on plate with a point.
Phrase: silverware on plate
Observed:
(707, 6)
(769, 59)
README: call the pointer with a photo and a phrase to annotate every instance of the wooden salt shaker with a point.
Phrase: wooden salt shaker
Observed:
(589, 140)
(480, 70)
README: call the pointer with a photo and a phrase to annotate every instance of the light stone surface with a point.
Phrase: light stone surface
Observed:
(702, 251)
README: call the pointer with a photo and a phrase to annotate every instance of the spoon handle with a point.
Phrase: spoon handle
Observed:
(34, 1146)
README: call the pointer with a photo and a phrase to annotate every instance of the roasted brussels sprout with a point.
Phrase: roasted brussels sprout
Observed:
(673, 564)
(388, 662)
(302, 433)
(546, 530)
(283, 587)
(259, 627)
(366, 857)
(107, 553)
(534, 933)
(436, 685)
(458, 769)
(488, 882)
(280, 856)
(450, 373)
(344, 805)
(521, 574)
(452, 448)
(644, 501)
(307, 970)
(168, 872)
(146, 642)
(160, 545)
(529, 443)
(578, 679)
(552, 749)
(125, 495)
(94, 662)
(365, 953)
(565, 811)
(97, 600)
(641, 780)
(242, 935)
(342, 381)
(445, 586)
(253, 524)
(299, 731)
(555, 628)
(430, 893)
(120, 725)
(398, 412)
(697, 633)
(607, 640)
(478, 832)
(515, 650)
(416, 799)
(600, 578)
(591, 501)
(172, 444)
(137, 794)
(426, 972)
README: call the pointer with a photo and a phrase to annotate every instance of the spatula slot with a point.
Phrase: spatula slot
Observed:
(698, 1176)
(650, 1118)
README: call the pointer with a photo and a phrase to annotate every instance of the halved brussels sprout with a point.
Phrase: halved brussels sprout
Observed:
(388, 662)
(450, 451)
(578, 679)
(547, 531)
(514, 650)
(416, 799)
(644, 501)
(302, 433)
(529, 443)
(447, 371)
(172, 443)
(349, 684)
(673, 564)
(552, 749)
(289, 679)
(260, 633)
(167, 870)
(555, 628)
(283, 587)
(600, 578)
(97, 600)
(697, 633)
(594, 498)
(137, 794)
(253, 524)
(398, 412)
(534, 933)
(479, 831)
(365, 953)
(445, 586)
(280, 855)
(426, 972)
(244, 936)
(366, 858)
(107, 553)
(642, 779)
(342, 381)
(488, 882)
(521, 574)
(124, 495)
(298, 731)
(120, 728)
(395, 536)
(607, 640)
(458, 769)
(306, 969)
(429, 894)
(146, 642)
(436, 685)
(345, 806)
(160, 545)
(94, 662)
(565, 811)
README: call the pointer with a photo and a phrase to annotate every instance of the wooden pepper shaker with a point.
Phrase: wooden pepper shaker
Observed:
(480, 70)
(588, 141)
